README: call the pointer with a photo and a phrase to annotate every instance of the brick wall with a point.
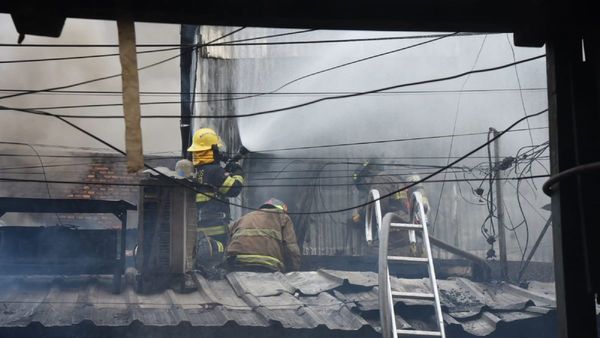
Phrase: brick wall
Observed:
(86, 167)
(106, 170)
(96, 171)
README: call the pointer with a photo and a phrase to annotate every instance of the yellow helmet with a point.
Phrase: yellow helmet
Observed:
(204, 139)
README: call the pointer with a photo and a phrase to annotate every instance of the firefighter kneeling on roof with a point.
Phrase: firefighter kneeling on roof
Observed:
(216, 185)
(264, 240)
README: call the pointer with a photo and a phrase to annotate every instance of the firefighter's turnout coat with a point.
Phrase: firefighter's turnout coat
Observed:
(264, 238)
(217, 186)
(386, 184)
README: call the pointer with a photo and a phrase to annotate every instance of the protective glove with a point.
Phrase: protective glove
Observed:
(184, 168)
(356, 218)
(234, 168)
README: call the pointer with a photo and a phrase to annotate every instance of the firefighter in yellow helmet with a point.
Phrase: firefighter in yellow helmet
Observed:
(217, 185)
(264, 240)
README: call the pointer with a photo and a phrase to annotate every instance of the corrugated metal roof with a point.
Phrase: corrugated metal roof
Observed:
(336, 300)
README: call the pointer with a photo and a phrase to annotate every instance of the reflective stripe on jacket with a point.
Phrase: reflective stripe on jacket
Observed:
(259, 260)
(214, 230)
(218, 186)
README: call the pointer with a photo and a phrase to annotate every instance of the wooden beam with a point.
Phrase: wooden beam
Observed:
(571, 145)
(423, 15)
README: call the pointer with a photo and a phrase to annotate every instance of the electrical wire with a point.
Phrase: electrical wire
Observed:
(460, 192)
(513, 228)
(391, 167)
(223, 36)
(362, 60)
(371, 142)
(106, 77)
(310, 42)
(294, 93)
(260, 186)
(233, 43)
(280, 87)
(525, 223)
(406, 187)
(433, 226)
(28, 92)
(155, 103)
(532, 155)
(61, 165)
(119, 159)
(315, 159)
(519, 83)
(339, 176)
(142, 52)
(278, 158)
(65, 147)
(273, 35)
(37, 112)
(37, 154)
(94, 56)
(333, 68)
(533, 207)
(277, 110)
(490, 198)
(43, 172)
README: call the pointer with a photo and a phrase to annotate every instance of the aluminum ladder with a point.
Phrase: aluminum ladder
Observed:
(386, 295)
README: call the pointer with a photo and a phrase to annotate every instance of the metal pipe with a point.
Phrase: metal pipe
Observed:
(500, 210)
(485, 268)
(534, 248)
(188, 68)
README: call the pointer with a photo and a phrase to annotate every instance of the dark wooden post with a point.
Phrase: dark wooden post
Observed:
(574, 140)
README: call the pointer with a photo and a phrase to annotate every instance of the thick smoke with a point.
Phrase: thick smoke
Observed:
(158, 135)
(488, 100)
(424, 110)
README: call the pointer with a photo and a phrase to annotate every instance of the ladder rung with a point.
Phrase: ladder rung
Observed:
(420, 333)
(413, 295)
(407, 259)
(408, 226)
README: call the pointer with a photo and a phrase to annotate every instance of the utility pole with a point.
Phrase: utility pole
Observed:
(500, 209)
(188, 68)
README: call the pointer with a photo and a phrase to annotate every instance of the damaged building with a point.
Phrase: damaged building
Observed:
(336, 293)
(108, 253)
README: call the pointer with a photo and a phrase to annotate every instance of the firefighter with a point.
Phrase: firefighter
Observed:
(264, 240)
(217, 185)
(370, 176)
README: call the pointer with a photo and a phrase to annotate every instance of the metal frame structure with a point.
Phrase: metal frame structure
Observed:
(44, 205)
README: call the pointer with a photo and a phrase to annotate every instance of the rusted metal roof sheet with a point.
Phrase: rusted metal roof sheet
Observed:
(335, 300)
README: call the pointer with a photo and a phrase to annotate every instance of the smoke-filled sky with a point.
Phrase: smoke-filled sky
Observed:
(158, 135)
(398, 115)
(358, 119)
(490, 99)
(423, 112)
